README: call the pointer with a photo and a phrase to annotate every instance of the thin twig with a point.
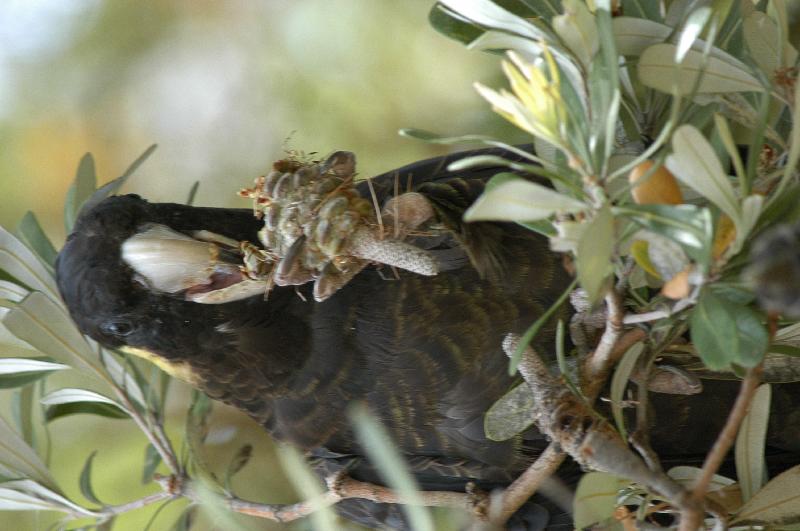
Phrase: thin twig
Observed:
(113, 510)
(153, 431)
(602, 359)
(526, 485)
(692, 519)
(340, 487)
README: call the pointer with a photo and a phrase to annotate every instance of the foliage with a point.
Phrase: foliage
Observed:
(624, 107)
(696, 104)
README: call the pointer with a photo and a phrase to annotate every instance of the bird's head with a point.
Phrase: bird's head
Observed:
(125, 272)
(97, 286)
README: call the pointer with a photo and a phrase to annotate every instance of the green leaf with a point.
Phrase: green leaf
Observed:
(794, 147)
(14, 500)
(238, 462)
(643, 9)
(691, 31)
(488, 14)
(377, 443)
(688, 225)
(308, 486)
(111, 187)
(724, 332)
(23, 403)
(452, 26)
(38, 496)
(86, 480)
(634, 35)
(531, 50)
(751, 442)
(775, 504)
(19, 459)
(713, 330)
(520, 200)
(596, 498)
(70, 401)
(30, 231)
(81, 189)
(760, 34)
(688, 476)
(12, 381)
(658, 70)
(619, 382)
(533, 330)
(578, 29)
(197, 430)
(46, 326)
(594, 253)
(151, 461)
(125, 376)
(186, 520)
(24, 266)
(510, 415)
(695, 164)
(16, 372)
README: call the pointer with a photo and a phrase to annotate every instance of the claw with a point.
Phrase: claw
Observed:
(290, 271)
(332, 279)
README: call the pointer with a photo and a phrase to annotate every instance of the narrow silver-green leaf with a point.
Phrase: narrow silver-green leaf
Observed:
(122, 377)
(794, 146)
(778, 502)
(688, 475)
(634, 35)
(30, 231)
(86, 480)
(43, 324)
(22, 264)
(112, 187)
(71, 401)
(658, 70)
(19, 458)
(578, 29)
(16, 372)
(694, 163)
(81, 189)
(308, 486)
(375, 440)
(595, 250)
(14, 500)
(751, 442)
(619, 382)
(695, 23)
(46, 493)
(596, 498)
(761, 35)
(520, 200)
(724, 132)
(510, 415)
(489, 14)
(71, 394)
(18, 365)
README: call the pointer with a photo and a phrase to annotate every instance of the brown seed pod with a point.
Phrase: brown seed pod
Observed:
(317, 226)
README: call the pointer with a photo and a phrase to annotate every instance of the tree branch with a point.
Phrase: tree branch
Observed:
(340, 487)
(692, 519)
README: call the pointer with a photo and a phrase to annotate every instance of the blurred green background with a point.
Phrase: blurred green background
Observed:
(224, 88)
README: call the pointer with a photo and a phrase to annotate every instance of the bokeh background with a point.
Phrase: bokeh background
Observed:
(224, 88)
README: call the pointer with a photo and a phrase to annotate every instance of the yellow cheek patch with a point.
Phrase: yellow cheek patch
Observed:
(180, 369)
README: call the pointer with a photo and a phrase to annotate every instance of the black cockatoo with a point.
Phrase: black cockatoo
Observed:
(423, 352)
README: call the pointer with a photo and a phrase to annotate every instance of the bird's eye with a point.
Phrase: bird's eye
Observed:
(117, 327)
